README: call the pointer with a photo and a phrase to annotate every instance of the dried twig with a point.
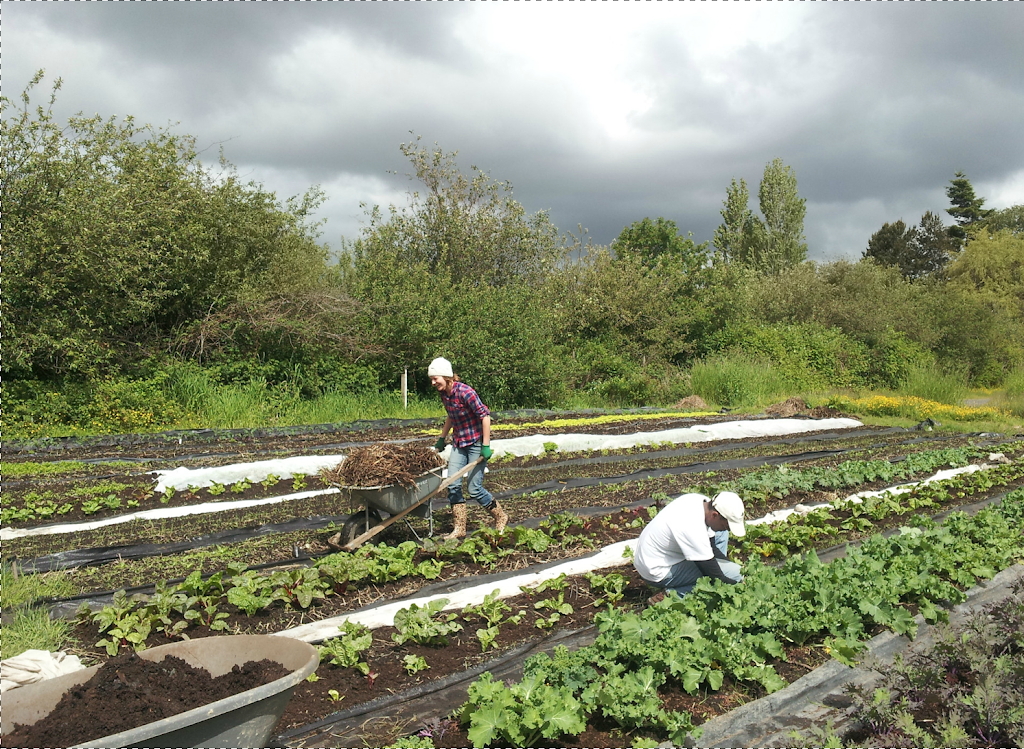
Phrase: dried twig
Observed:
(383, 465)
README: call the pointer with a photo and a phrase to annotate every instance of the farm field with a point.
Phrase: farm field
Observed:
(267, 568)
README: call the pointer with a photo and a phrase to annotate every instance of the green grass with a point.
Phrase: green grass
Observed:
(20, 589)
(29, 628)
(736, 380)
(24, 470)
(33, 629)
(932, 384)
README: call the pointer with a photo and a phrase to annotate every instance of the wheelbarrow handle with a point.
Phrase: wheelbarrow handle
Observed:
(358, 541)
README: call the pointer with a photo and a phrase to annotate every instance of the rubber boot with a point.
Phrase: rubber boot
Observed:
(460, 514)
(500, 518)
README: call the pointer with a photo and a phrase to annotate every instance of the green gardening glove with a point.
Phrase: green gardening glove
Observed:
(439, 445)
(486, 452)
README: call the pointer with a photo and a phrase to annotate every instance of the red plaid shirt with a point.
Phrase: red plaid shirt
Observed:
(466, 410)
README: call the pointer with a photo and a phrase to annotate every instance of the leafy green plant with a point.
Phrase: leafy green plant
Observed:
(298, 587)
(487, 637)
(550, 447)
(414, 664)
(520, 715)
(612, 586)
(216, 489)
(425, 625)
(241, 486)
(123, 624)
(298, 482)
(346, 651)
(270, 480)
(250, 591)
(492, 608)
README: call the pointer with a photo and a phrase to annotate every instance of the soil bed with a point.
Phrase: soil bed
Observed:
(524, 507)
(311, 701)
(128, 692)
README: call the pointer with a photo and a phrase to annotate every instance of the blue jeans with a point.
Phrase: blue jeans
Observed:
(459, 458)
(684, 575)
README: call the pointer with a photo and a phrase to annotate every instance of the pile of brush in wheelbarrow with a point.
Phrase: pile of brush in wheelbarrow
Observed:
(386, 479)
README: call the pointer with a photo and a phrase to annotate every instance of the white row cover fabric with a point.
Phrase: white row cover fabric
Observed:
(182, 478)
(285, 468)
(159, 513)
(36, 665)
(726, 430)
(613, 555)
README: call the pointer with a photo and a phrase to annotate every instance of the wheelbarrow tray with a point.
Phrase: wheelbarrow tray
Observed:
(245, 719)
(395, 498)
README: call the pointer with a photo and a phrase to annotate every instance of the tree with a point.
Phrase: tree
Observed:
(736, 218)
(966, 207)
(659, 241)
(933, 247)
(778, 242)
(456, 272)
(775, 243)
(1011, 218)
(891, 244)
(917, 251)
(466, 227)
(116, 239)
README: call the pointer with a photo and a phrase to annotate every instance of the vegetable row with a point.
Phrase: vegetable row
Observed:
(721, 631)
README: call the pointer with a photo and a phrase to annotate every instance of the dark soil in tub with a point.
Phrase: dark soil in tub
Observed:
(128, 692)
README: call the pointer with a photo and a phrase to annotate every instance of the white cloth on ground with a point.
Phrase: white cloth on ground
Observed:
(36, 665)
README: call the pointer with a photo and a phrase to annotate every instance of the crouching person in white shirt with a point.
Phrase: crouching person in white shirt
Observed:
(689, 539)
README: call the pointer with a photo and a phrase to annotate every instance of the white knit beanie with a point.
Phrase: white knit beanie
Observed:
(440, 367)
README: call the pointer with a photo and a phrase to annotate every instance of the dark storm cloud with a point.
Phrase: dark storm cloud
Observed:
(875, 106)
(200, 34)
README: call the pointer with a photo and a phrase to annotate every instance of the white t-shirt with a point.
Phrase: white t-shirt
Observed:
(678, 532)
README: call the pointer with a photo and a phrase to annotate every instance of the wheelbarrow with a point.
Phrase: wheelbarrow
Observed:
(397, 501)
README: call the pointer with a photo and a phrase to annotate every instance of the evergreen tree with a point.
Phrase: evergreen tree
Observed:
(891, 244)
(966, 207)
(917, 251)
(932, 249)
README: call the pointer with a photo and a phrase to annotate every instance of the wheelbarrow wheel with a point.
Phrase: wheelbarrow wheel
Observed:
(356, 526)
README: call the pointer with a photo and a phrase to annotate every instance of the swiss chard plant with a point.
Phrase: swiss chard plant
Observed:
(425, 625)
(346, 651)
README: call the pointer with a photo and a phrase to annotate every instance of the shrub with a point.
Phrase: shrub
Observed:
(627, 390)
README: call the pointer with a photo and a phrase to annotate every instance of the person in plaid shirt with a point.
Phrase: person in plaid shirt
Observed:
(469, 421)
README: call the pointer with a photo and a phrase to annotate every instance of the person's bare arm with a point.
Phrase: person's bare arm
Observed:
(485, 425)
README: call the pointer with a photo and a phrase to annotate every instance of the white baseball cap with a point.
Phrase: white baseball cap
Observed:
(440, 367)
(730, 506)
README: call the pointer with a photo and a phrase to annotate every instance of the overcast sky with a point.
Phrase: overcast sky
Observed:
(599, 112)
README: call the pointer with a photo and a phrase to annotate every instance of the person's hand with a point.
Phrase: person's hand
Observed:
(439, 445)
(486, 452)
